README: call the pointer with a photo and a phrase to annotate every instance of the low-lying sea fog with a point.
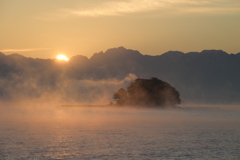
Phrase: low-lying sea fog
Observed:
(77, 132)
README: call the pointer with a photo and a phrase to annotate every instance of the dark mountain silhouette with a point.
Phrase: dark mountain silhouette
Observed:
(210, 76)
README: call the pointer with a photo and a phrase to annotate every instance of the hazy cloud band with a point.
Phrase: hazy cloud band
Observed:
(117, 8)
(24, 50)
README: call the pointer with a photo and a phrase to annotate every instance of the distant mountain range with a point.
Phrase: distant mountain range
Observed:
(210, 76)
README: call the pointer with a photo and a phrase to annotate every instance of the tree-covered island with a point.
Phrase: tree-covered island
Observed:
(148, 92)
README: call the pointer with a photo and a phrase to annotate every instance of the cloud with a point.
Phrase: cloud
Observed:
(24, 50)
(114, 8)
(118, 8)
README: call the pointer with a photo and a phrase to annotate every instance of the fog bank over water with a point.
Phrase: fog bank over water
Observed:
(187, 112)
(64, 91)
(102, 116)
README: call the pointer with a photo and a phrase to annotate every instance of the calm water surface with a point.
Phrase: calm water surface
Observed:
(65, 133)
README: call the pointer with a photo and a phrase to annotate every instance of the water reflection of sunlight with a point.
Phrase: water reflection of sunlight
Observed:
(84, 132)
(60, 114)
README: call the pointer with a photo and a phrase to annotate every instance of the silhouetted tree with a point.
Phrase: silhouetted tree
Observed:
(120, 96)
(148, 92)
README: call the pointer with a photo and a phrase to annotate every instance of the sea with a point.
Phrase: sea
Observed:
(119, 133)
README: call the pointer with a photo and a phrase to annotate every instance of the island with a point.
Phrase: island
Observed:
(149, 93)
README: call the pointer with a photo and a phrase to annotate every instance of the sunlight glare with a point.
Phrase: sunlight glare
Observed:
(62, 57)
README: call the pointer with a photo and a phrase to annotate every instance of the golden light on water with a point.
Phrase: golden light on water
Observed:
(62, 57)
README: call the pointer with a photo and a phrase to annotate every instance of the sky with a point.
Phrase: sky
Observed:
(46, 28)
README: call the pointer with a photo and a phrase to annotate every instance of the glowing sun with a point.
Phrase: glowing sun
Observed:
(62, 57)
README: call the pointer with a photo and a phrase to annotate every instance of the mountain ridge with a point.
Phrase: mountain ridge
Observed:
(209, 76)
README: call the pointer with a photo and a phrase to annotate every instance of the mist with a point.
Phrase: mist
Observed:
(208, 77)
(64, 91)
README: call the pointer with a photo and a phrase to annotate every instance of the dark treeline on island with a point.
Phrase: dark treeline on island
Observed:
(210, 76)
(148, 92)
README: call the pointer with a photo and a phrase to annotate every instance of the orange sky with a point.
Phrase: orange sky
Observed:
(45, 28)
